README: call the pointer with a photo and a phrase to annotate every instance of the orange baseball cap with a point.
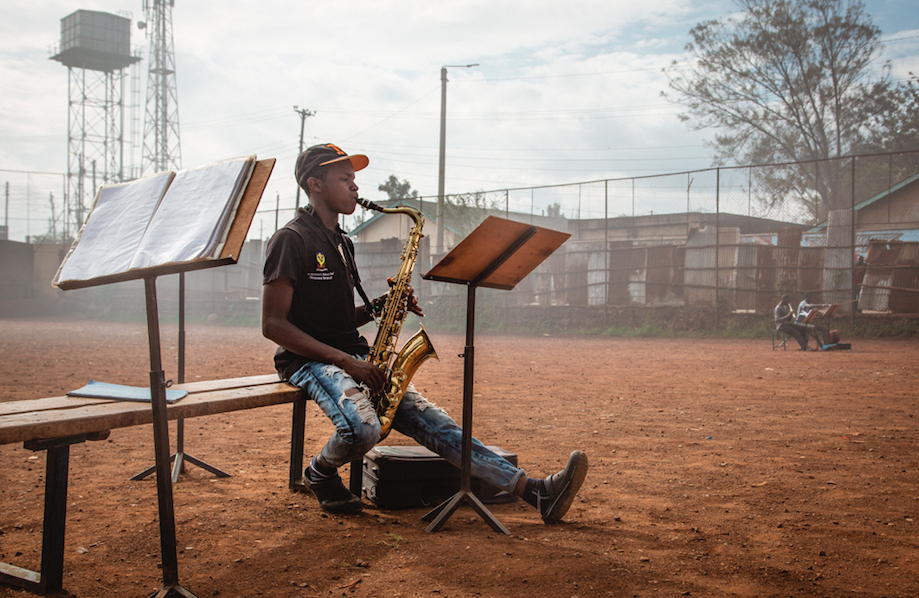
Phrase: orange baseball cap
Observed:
(322, 155)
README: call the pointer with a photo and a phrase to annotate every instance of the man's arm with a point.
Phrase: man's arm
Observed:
(277, 297)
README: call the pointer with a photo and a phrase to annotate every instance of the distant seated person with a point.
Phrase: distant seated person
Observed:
(784, 322)
(820, 332)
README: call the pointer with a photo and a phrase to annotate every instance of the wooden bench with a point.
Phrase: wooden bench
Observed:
(53, 424)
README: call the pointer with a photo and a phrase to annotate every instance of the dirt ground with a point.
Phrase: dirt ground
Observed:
(717, 468)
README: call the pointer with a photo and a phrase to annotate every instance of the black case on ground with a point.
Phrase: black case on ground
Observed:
(400, 477)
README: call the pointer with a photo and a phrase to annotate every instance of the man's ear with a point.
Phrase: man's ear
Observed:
(315, 184)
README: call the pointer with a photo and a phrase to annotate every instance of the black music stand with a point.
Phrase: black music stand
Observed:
(180, 457)
(235, 239)
(498, 255)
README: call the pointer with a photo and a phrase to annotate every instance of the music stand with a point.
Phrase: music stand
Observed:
(498, 255)
(180, 457)
(235, 239)
(815, 313)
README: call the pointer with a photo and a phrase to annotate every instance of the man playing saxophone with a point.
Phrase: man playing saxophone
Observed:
(308, 309)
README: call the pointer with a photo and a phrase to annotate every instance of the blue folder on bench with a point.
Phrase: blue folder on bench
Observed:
(120, 392)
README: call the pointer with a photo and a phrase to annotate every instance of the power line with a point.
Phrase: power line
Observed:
(898, 39)
(32, 172)
(394, 114)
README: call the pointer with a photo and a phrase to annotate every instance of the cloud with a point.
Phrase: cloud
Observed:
(564, 92)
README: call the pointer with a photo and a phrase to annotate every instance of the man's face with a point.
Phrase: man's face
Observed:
(339, 191)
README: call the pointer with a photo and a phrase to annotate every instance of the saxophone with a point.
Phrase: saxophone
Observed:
(401, 366)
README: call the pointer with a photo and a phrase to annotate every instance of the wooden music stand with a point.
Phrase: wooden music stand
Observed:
(498, 255)
(229, 254)
(814, 313)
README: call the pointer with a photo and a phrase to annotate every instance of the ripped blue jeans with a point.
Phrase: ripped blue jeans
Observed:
(357, 429)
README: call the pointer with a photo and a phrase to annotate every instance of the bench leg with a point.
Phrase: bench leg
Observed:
(50, 579)
(298, 428)
(52, 551)
(356, 483)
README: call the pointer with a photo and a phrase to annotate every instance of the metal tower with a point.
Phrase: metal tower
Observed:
(161, 122)
(95, 48)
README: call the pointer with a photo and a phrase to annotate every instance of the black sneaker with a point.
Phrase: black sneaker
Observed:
(332, 494)
(563, 487)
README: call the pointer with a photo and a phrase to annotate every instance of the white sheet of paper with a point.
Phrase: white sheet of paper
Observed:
(195, 213)
(107, 242)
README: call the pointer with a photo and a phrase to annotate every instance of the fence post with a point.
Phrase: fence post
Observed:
(818, 198)
(717, 248)
(507, 214)
(854, 219)
(606, 252)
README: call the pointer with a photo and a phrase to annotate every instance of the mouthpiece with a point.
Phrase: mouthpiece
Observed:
(366, 203)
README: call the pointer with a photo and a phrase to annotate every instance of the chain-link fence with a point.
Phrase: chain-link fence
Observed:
(731, 238)
(33, 206)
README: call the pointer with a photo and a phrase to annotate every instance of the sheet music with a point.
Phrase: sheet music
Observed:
(194, 215)
(108, 239)
(121, 392)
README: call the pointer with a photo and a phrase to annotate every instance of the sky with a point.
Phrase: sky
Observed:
(563, 92)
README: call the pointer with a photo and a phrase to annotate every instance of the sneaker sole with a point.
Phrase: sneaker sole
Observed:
(563, 503)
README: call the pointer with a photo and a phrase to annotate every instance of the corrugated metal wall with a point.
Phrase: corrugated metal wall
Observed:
(892, 278)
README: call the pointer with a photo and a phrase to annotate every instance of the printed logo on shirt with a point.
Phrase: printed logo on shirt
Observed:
(322, 272)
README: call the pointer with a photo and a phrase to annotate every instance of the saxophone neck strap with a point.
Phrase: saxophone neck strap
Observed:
(347, 250)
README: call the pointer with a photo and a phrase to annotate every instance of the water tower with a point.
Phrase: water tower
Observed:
(96, 49)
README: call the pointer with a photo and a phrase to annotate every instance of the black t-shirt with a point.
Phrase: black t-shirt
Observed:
(313, 257)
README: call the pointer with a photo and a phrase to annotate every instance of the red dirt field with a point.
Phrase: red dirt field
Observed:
(717, 468)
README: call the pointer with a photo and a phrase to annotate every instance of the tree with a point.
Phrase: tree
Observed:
(898, 118)
(554, 210)
(465, 211)
(790, 81)
(398, 190)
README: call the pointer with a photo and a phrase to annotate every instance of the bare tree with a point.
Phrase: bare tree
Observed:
(787, 81)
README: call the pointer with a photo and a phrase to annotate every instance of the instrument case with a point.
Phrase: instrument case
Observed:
(400, 477)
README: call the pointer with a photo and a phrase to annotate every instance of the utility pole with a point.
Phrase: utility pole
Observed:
(304, 114)
(442, 159)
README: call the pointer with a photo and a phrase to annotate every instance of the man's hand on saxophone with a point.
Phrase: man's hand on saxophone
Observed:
(366, 373)
(411, 302)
